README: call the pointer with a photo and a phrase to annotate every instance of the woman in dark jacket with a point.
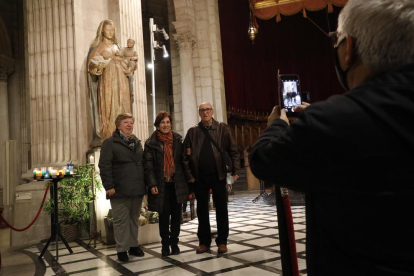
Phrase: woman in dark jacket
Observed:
(168, 188)
(122, 175)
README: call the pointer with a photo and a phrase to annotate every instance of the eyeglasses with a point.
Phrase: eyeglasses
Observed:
(336, 39)
(208, 110)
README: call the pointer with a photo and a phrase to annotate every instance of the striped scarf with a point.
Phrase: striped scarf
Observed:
(169, 167)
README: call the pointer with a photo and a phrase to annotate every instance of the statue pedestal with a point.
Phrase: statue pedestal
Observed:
(102, 205)
(149, 233)
(25, 211)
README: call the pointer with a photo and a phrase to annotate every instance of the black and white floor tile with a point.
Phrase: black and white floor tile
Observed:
(253, 249)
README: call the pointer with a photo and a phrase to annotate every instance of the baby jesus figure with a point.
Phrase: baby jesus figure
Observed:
(130, 58)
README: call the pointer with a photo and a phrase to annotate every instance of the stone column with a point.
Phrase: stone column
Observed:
(185, 43)
(210, 78)
(128, 19)
(6, 68)
(55, 109)
(4, 106)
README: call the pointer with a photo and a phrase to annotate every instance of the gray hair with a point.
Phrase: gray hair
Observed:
(205, 103)
(383, 29)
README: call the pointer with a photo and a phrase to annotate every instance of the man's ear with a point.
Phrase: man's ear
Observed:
(349, 51)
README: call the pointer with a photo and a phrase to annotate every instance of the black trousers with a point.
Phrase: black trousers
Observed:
(201, 190)
(170, 209)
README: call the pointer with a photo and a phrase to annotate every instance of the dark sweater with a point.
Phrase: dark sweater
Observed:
(353, 156)
(207, 164)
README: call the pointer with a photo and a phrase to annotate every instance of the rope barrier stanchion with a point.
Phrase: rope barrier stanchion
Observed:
(37, 216)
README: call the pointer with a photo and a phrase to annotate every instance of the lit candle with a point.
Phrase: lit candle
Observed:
(91, 159)
(34, 172)
(70, 168)
(43, 171)
(47, 174)
(38, 174)
(53, 173)
(61, 173)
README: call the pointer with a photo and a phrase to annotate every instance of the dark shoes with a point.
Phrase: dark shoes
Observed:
(175, 250)
(202, 249)
(222, 248)
(165, 250)
(123, 256)
(136, 251)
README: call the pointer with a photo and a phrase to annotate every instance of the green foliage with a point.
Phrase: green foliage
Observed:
(74, 196)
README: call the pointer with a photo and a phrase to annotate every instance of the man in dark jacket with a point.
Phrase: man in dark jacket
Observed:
(353, 154)
(205, 165)
(122, 174)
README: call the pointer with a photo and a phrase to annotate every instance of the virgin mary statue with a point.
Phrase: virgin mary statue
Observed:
(108, 82)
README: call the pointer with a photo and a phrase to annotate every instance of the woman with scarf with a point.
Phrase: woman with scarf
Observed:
(122, 175)
(167, 184)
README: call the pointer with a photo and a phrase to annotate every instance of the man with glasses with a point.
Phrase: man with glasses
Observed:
(205, 164)
(355, 152)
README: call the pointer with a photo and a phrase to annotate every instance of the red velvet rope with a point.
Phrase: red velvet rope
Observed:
(27, 227)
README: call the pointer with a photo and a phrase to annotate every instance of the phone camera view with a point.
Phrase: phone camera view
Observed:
(291, 95)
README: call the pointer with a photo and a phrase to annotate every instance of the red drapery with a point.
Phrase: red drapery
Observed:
(294, 45)
(291, 8)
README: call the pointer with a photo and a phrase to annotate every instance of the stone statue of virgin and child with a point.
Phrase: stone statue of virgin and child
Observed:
(110, 80)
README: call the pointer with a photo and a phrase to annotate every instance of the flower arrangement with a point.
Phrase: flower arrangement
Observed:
(147, 217)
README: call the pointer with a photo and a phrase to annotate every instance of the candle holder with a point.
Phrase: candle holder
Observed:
(38, 174)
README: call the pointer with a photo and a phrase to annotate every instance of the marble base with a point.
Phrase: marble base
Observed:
(24, 213)
(149, 233)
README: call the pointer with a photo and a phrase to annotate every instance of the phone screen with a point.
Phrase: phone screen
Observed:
(290, 92)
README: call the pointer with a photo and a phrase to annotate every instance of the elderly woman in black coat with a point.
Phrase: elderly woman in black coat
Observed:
(122, 175)
(167, 184)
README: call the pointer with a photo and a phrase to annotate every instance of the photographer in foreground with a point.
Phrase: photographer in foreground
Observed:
(353, 154)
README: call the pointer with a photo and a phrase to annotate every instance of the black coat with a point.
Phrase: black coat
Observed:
(154, 171)
(121, 167)
(353, 156)
(221, 133)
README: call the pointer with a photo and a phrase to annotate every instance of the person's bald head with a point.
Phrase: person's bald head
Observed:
(206, 111)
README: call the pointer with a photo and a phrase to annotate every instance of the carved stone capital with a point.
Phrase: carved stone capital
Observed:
(185, 41)
(4, 72)
(6, 66)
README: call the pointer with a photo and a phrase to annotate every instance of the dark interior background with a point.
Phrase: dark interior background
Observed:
(294, 45)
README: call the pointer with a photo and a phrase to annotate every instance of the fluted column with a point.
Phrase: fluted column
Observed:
(185, 43)
(54, 100)
(6, 68)
(128, 20)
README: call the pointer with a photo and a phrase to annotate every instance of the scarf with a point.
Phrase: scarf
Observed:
(169, 167)
(129, 141)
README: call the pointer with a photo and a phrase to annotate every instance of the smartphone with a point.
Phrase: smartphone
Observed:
(289, 93)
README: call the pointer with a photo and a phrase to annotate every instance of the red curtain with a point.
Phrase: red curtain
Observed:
(294, 7)
(293, 45)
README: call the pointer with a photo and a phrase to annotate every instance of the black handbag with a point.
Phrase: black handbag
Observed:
(226, 160)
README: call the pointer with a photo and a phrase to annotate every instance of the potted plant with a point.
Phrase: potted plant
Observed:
(74, 196)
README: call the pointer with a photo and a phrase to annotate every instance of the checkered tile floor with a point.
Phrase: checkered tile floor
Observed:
(253, 249)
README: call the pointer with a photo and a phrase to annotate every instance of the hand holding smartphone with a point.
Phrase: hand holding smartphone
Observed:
(289, 93)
